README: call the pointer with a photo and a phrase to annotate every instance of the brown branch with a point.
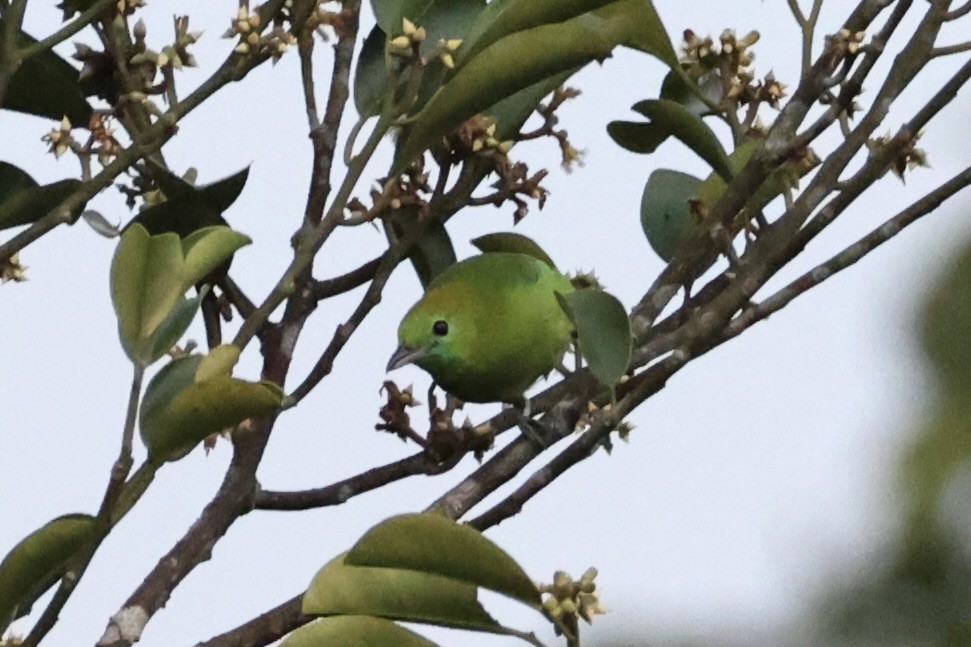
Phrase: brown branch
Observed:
(339, 492)
(346, 282)
(637, 391)
(324, 136)
(233, 499)
(954, 14)
(693, 260)
(264, 628)
(237, 297)
(850, 255)
(951, 49)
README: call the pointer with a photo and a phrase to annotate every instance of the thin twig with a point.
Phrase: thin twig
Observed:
(346, 282)
(947, 50)
(850, 255)
(103, 522)
(954, 14)
(339, 492)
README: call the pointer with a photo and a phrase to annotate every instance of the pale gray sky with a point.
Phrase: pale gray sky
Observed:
(759, 473)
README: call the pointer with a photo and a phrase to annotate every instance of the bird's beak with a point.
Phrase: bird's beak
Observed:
(405, 355)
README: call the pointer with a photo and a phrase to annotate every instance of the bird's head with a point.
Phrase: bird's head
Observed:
(434, 333)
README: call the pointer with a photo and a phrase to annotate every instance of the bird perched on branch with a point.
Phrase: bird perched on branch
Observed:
(488, 327)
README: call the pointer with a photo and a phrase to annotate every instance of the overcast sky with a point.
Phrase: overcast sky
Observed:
(760, 472)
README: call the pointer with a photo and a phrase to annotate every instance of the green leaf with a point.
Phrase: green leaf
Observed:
(433, 250)
(354, 631)
(221, 194)
(219, 362)
(508, 241)
(180, 410)
(432, 544)
(603, 332)
(449, 20)
(170, 331)
(504, 17)
(23, 201)
(371, 76)
(218, 195)
(679, 122)
(523, 59)
(645, 31)
(513, 111)
(149, 279)
(389, 13)
(207, 249)
(638, 136)
(674, 88)
(37, 562)
(146, 284)
(714, 186)
(58, 96)
(666, 215)
(343, 589)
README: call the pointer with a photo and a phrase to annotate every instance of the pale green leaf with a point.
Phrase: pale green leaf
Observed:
(178, 412)
(508, 241)
(354, 631)
(37, 562)
(219, 362)
(171, 330)
(209, 248)
(342, 589)
(432, 544)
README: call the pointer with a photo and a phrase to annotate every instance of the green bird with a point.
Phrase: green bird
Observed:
(488, 327)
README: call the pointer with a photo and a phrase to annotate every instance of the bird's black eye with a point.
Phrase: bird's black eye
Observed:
(440, 328)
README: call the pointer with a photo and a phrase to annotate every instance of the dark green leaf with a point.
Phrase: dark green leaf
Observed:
(638, 136)
(56, 97)
(433, 250)
(71, 7)
(523, 59)
(504, 17)
(508, 241)
(389, 13)
(340, 588)
(676, 89)
(27, 205)
(449, 20)
(513, 111)
(354, 631)
(37, 562)
(432, 544)
(370, 76)
(688, 127)
(181, 216)
(13, 179)
(219, 195)
(666, 212)
(603, 332)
